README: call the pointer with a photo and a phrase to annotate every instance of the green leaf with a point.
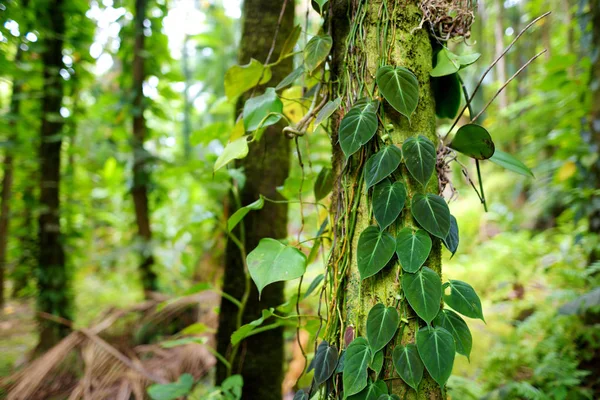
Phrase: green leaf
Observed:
(420, 157)
(290, 41)
(453, 323)
(243, 331)
(388, 202)
(389, 397)
(326, 360)
(240, 78)
(262, 111)
(474, 141)
(377, 363)
(423, 290)
(272, 261)
(382, 323)
(408, 364)
(381, 164)
(451, 241)
(313, 285)
(290, 78)
(357, 127)
(316, 51)
(436, 348)
(341, 362)
(237, 149)
(467, 59)
(321, 3)
(172, 391)
(375, 249)
(241, 213)
(169, 344)
(448, 95)
(323, 184)
(327, 110)
(432, 213)
(357, 360)
(399, 86)
(300, 395)
(463, 299)
(447, 63)
(412, 248)
(373, 391)
(232, 387)
(196, 329)
(507, 161)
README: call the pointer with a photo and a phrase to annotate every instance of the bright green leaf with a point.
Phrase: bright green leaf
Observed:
(412, 248)
(235, 150)
(240, 78)
(172, 391)
(357, 360)
(423, 290)
(474, 141)
(271, 261)
(453, 323)
(323, 184)
(432, 213)
(262, 111)
(321, 3)
(436, 348)
(452, 239)
(325, 362)
(357, 127)
(232, 387)
(399, 86)
(382, 323)
(327, 110)
(463, 299)
(375, 249)
(408, 364)
(316, 51)
(245, 329)
(446, 64)
(242, 212)
(388, 202)
(420, 157)
(290, 78)
(507, 161)
(381, 164)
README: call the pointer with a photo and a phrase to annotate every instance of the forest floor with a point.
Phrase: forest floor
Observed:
(18, 334)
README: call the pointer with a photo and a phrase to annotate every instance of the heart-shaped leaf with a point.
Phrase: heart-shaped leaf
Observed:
(326, 360)
(423, 290)
(290, 41)
(507, 161)
(373, 391)
(448, 63)
(377, 362)
(463, 299)
(323, 184)
(451, 241)
(400, 87)
(408, 364)
(291, 78)
(316, 51)
(327, 110)
(453, 323)
(240, 78)
(432, 213)
(271, 261)
(420, 157)
(412, 248)
(436, 348)
(382, 323)
(357, 360)
(241, 213)
(381, 164)
(375, 249)
(235, 150)
(262, 111)
(357, 127)
(448, 94)
(474, 141)
(388, 202)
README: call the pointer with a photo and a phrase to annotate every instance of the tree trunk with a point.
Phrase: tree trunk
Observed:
(260, 358)
(594, 120)
(53, 278)
(141, 173)
(352, 299)
(501, 66)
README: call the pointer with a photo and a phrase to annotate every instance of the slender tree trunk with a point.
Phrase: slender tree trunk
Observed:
(499, 39)
(53, 278)
(261, 357)
(26, 263)
(141, 173)
(351, 299)
(594, 120)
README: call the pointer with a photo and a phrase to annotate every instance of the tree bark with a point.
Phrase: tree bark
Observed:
(351, 299)
(261, 356)
(594, 121)
(141, 173)
(53, 279)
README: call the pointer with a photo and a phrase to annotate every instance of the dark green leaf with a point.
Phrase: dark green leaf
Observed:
(448, 63)
(357, 127)
(241, 213)
(325, 362)
(451, 241)
(432, 213)
(262, 111)
(463, 299)
(399, 86)
(453, 323)
(382, 323)
(389, 397)
(373, 391)
(300, 395)
(420, 157)
(290, 41)
(172, 391)
(375, 249)
(412, 248)
(316, 51)
(323, 184)
(327, 110)
(291, 78)
(388, 202)
(313, 285)
(271, 261)
(408, 364)
(321, 3)
(381, 164)
(423, 290)
(474, 141)
(436, 348)
(507, 161)
(377, 363)
(448, 94)
(340, 367)
(357, 360)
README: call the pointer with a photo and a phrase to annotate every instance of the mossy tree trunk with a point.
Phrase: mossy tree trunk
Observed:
(260, 358)
(357, 54)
